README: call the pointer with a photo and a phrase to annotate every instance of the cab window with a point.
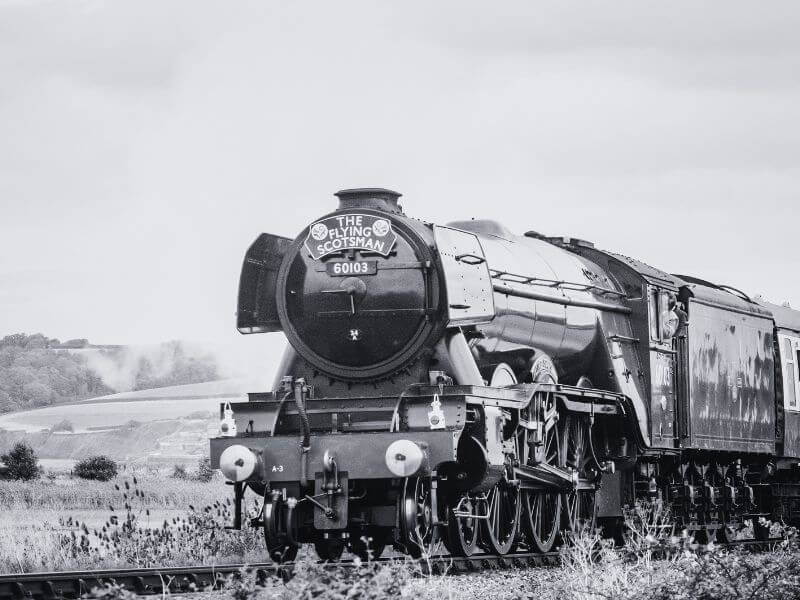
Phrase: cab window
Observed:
(664, 321)
(652, 309)
(790, 373)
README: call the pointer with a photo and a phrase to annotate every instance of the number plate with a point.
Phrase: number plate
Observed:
(352, 268)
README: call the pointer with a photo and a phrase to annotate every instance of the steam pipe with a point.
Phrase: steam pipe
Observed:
(465, 370)
(462, 362)
(305, 443)
(300, 401)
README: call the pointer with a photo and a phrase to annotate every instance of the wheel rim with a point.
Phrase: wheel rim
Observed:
(717, 476)
(726, 534)
(579, 506)
(462, 532)
(275, 524)
(760, 532)
(416, 516)
(541, 511)
(499, 531)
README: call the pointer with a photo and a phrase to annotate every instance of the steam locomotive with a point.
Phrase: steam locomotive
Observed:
(467, 385)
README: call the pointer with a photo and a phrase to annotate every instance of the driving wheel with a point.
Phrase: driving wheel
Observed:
(462, 527)
(498, 532)
(579, 505)
(541, 509)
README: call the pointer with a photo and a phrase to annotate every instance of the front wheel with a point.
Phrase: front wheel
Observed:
(416, 518)
(278, 518)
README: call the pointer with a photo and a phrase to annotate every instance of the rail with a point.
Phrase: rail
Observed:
(178, 580)
(181, 580)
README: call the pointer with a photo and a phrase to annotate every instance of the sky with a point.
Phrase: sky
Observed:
(145, 144)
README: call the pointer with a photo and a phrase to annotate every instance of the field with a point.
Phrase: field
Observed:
(60, 523)
(147, 518)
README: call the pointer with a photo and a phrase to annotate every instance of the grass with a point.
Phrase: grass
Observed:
(149, 519)
(653, 564)
(64, 523)
(66, 493)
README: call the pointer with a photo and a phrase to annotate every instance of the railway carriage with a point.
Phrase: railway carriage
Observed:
(467, 385)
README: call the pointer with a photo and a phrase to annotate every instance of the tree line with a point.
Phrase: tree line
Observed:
(38, 371)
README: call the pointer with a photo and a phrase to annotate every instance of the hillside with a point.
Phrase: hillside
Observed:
(166, 425)
(133, 444)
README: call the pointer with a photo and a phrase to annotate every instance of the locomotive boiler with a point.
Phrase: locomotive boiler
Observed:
(488, 390)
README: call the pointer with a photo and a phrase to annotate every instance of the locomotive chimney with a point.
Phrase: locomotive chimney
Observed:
(375, 198)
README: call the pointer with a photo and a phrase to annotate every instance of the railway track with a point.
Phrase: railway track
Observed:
(176, 580)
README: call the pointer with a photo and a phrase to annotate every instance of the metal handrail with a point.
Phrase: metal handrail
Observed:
(553, 283)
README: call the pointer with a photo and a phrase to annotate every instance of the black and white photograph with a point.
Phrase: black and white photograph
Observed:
(369, 299)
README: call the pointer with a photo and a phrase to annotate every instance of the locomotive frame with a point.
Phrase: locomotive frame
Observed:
(491, 390)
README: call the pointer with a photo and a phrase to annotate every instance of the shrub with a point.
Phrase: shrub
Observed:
(21, 462)
(100, 468)
(112, 591)
(179, 472)
(6, 403)
(134, 537)
(204, 471)
(243, 585)
(366, 580)
(65, 425)
(718, 574)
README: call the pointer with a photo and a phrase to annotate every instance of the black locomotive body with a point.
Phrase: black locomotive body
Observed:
(464, 384)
